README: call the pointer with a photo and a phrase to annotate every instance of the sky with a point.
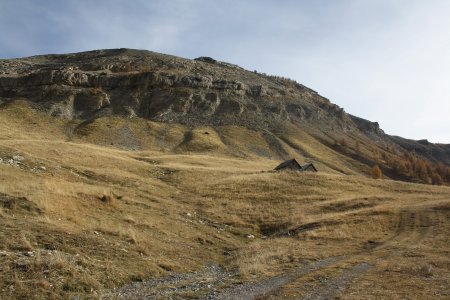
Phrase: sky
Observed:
(382, 60)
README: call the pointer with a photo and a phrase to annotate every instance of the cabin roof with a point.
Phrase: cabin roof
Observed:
(287, 163)
(308, 165)
(293, 164)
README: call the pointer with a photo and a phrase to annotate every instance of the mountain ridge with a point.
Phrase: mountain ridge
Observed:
(163, 88)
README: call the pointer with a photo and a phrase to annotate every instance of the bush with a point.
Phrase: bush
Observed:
(376, 172)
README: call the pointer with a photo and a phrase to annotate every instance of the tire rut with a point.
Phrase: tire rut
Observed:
(328, 288)
(261, 288)
(413, 226)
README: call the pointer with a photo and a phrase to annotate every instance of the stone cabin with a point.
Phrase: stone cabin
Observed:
(292, 164)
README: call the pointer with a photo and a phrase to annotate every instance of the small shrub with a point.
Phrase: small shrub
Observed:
(376, 172)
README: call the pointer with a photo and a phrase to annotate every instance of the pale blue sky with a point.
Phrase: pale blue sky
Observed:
(384, 60)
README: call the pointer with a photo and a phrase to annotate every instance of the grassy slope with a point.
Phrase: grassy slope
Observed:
(184, 200)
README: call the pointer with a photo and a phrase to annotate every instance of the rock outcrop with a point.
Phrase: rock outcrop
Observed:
(203, 91)
(162, 88)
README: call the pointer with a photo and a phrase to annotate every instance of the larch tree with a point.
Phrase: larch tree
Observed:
(376, 172)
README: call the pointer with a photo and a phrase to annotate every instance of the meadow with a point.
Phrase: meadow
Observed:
(81, 216)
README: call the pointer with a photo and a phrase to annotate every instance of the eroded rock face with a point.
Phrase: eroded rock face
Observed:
(203, 91)
(162, 88)
(371, 128)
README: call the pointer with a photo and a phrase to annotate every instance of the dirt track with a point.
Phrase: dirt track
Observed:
(414, 226)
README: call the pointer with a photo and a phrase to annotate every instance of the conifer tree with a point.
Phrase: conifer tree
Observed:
(376, 172)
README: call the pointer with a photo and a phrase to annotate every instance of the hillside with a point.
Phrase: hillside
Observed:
(123, 177)
(245, 113)
(81, 219)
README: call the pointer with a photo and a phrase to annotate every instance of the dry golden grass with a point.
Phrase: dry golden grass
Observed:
(267, 257)
(100, 216)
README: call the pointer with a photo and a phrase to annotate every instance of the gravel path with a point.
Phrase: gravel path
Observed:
(253, 290)
(209, 283)
(330, 287)
(174, 286)
(215, 283)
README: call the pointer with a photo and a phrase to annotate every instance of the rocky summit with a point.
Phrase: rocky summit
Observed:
(163, 88)
(199, 92)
